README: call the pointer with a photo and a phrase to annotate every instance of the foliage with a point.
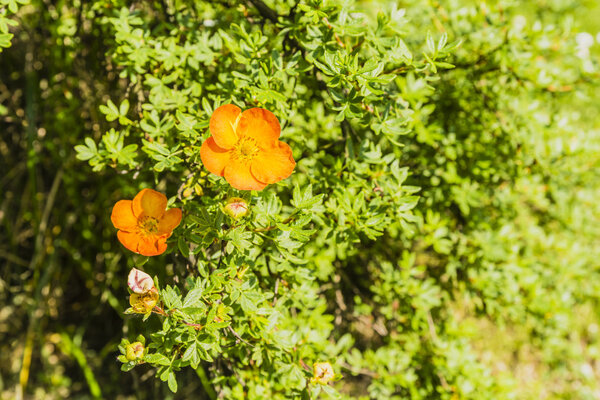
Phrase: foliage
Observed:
(437, 239)
(8, 8)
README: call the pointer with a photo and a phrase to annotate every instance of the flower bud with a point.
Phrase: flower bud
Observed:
(322, 373)
(134, 351)
(139, 281)
(236, 207)
(187, 192)
(143, 303)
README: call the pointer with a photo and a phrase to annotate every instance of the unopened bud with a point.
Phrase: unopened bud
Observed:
(322, 373)
(139, 281)
(134, 351)
(236, 207)
(143, 303)
(187, 192)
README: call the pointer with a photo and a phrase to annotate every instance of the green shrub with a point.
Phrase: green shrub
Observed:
(438, 238)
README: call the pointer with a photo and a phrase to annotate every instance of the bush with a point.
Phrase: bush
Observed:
(436, 240)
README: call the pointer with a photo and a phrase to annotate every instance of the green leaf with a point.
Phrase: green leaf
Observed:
(171, 298)
(157, 358)
(240, 238)
(5, 39)
(247, 303)
(193, 298)
(124, 107)
(192, 355)
(304, 199)
(172, 382)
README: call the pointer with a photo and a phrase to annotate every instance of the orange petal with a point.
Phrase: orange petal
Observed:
(237, 173)
(259, 124)
(169, 221)
(149, 202)
(273, 165)
(222, 125)
(152, 245)
(214, 157)
(130, 240)
(122, 216)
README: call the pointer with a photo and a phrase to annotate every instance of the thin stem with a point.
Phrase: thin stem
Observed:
(270, 228)
(335, 35)
(195, 326)
(238, 337)
(361, 371)
(158, 310)
(264, 10)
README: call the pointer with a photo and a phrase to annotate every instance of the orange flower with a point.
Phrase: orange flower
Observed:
(143, 223)
(244, 148)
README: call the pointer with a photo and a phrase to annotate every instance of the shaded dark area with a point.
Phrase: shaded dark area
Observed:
(52, 215)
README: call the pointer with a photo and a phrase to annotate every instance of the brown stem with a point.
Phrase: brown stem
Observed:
(238, 337)
(303, 364)
(195, 326)
(160, 311)
(337, 38)
(362, 371)
(264, 10)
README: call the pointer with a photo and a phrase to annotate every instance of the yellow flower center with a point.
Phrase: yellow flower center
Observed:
(148, 225)
(134, 351)
(245, 149)
(143, 303)
(323, 373)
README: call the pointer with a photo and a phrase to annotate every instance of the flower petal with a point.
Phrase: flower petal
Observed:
(122, 216)
(222, 125)
(129, 239)
(273, 165)
(214, 157)
(152, 245)
(139, 281)
(237, 173)
(169, 221)
(260, 124)
(149, 202)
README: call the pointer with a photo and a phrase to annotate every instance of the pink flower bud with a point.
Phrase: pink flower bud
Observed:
(139, 281)
(236, 208)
